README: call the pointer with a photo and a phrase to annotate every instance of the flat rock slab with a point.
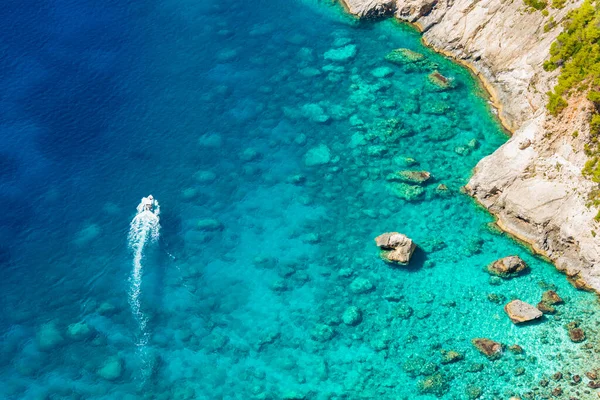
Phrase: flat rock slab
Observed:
(518, 311)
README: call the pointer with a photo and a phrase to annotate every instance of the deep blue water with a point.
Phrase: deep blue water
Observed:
(217, 108)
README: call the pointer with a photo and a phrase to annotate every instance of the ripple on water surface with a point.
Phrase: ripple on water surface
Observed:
(275, 142)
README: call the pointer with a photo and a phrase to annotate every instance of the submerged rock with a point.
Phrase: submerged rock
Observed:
(518, 311)
(87, 235)
(413, 366)
(404, 56)
(435, 384)
(279, 286)
(576, 334)
(516, 349)
(394, 294)
(545, 308)
(342, 41)
(342, 54)
(310, 72)
(414, 176)
(250, 154)
(48, 337)
(406, 192)
(396, 247)
(79, 331)
(403, 311)
(111, 370)
(451, 356)
(319, 155)
(361, 285)
(496, 298)
(322, 333)
(507, 267)
(473, 392)
(205, 176)
(439, 81)
(106, 309)
(382, 72)
(489, 348)
(315, 113)
(551, 297)
(403, 161)
(352, 316)
(210, 140)
(475, 367)
(209, 225)
(293, 395)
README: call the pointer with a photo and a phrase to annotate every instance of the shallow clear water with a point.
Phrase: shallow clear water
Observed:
(219, 109)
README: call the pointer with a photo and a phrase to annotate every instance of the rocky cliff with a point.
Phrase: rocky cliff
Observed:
(533, 183)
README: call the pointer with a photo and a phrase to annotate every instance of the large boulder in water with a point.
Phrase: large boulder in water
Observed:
(518, 311)
(507, 267)
(396, 247)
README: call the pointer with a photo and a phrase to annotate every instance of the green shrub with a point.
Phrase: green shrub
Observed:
(558, 3)
(592, 169)
(594, 96)
(536, 4)
(551, 24)
(595, 125)
(555, 103)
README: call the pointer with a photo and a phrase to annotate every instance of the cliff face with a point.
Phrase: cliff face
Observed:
(533, 183)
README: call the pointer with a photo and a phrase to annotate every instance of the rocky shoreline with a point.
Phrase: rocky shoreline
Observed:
(533, 183)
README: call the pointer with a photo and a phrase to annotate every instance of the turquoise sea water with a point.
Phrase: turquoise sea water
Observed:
(272, 165)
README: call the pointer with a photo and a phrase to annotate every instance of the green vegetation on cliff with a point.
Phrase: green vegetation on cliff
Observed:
(540, 5)
(536, 4)
(577, 52)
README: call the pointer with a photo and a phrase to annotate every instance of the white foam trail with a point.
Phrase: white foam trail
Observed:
(144, 229)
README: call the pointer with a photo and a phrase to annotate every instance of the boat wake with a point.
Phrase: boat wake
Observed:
(143, 231)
